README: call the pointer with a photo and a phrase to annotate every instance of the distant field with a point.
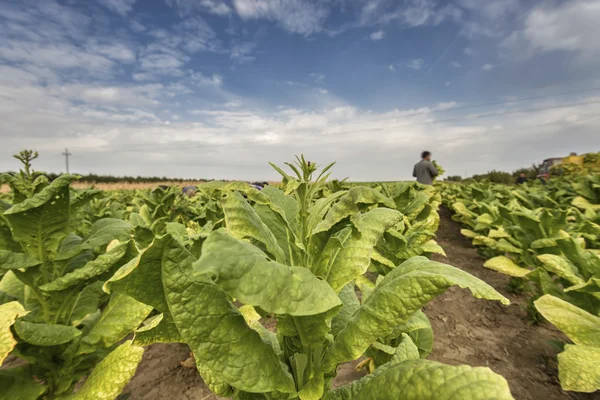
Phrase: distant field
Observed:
(126, 185)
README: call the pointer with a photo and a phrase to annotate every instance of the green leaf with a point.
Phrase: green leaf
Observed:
(45, 334)
(102, 232)
(12, 286)
(121, 316)
(322, 265)
(400, 294)
(161, 329)
(225, 348)
(543, 243)
(405, 351)
(111, 375)
(141, 277)
(243, 222)
(469, 234)
(591, 286)
(504, 246)
(86, 302)
(90, 270)
(429, 380)
(8, 314)
(561, 267)
(432, 247)
(350, 304)
(10, 260)
(42, 221)
(579, 325)
(354, 259)
(350, 204)
(506, 266)
(248, 275)
(18, 385)
(579, 368)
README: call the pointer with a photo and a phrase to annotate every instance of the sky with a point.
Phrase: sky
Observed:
(216, 89)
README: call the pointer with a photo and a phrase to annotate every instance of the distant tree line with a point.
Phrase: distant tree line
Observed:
(494, 176)
(125, 179)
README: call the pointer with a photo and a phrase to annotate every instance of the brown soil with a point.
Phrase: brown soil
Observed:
(486, 333)
(467, 331)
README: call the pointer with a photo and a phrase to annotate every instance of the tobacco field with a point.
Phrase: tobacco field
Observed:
(273, 291)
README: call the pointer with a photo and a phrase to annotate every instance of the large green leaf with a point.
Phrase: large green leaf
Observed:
(8, 314)
(111, 375)
(90, 270)
(225, 348)
(506, 266)
(11, 260)
(430, 380)
(400, 294)
(350, 204)
(579, 368)
(42, 221)
(355, 257)
(562, 267)
(248, 275)
(121, 316)
(161, 329)
(141, 278)
(350, 305)
(102, 232)
(45, 334)
(579, 325)
(87, 302)
(243, 222)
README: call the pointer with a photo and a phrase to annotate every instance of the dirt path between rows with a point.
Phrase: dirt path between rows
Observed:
(467, 331)
(486, 333)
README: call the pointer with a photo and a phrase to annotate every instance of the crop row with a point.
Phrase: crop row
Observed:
(547, 237)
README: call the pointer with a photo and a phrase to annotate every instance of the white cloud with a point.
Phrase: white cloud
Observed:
(487, 67)
(392, 68)
(468, 51)
(187, 7)
(448, 83)
(570, 26)
(115, 51)
(235, 141)
(295, 16)
(240, 52)
(216, 7)
(415, 64)
(122, 7)
(317, 77)
(456, 64)
(378, 35)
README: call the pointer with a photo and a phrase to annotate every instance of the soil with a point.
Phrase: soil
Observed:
(467, 331)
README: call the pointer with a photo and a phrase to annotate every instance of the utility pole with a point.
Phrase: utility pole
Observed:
(67, 154)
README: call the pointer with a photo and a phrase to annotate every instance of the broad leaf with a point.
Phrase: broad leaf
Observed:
(45, 334)
(579, 325)
(400, 294)
(248, 275)
(111, 375)
(8, 314)
(579, 368)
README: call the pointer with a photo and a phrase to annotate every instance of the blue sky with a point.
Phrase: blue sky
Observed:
(207, 88)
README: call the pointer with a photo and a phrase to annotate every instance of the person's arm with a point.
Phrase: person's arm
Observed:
(432, 170)
(415, 171)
